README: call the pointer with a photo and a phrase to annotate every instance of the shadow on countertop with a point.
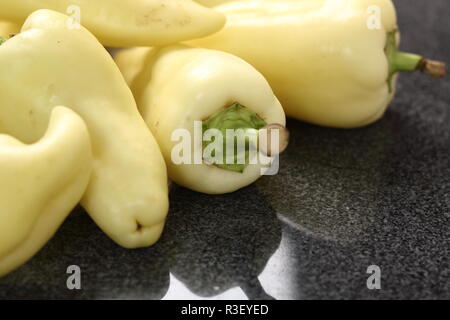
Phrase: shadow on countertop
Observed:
(211, 244)
(343, 200)
(378, 195)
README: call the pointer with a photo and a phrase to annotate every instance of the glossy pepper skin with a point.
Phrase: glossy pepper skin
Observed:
(48, 64)
(40, 185)
(325, 62)
(120, 23)
(177, 85)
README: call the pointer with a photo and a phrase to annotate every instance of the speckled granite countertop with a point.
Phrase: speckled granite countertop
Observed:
(342, 201)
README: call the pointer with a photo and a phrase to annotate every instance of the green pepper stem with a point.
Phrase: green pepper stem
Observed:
(2, 40)
(409, 62)
(405, 62)
(250, 125)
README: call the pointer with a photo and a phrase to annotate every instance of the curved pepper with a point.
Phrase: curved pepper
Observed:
(120, 23)
(48, 64)
(40, 185)
(331, 63)
(178, 85)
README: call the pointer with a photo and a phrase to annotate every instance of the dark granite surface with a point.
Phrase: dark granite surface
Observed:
(343, 200)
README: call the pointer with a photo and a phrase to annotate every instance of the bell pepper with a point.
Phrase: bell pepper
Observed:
(120, 23)
(331, 63)
(40, 185)
(178, 85)
(48, 64)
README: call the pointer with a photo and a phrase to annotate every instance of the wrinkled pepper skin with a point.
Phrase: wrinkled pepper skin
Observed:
(120, 23)
(48, 64)
(40, 185)
(177, 85)
(324, 63)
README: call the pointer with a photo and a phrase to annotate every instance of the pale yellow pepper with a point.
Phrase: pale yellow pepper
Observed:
(40, 185)
(48, 64)
(330, 62)
(7, 29)
(213, 3)
(177, 85)
(127, 23)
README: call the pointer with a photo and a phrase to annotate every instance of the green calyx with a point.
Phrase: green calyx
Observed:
(234, 117)
(2, 40)
(407, 62)
(399, 61)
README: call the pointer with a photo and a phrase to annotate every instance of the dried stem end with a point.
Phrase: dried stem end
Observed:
(435, 69)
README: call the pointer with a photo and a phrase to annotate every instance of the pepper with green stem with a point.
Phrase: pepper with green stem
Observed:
(408, 62)
(245, 126)
(177, 86)
(331, 63)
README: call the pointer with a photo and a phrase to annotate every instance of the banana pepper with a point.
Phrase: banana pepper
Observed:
(48, 64)
(330, 62)
(175, 86)
(127, 23)
(40, 185)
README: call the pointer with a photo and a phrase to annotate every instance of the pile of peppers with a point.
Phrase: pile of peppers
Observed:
(78, 126)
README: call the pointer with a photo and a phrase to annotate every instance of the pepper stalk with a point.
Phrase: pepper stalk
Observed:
(248, 125)
(408, 62)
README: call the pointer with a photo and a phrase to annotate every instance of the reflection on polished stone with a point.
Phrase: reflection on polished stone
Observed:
(213, 246)
(225, 246)
(178, 291)
(329, 182)
(279, 277)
